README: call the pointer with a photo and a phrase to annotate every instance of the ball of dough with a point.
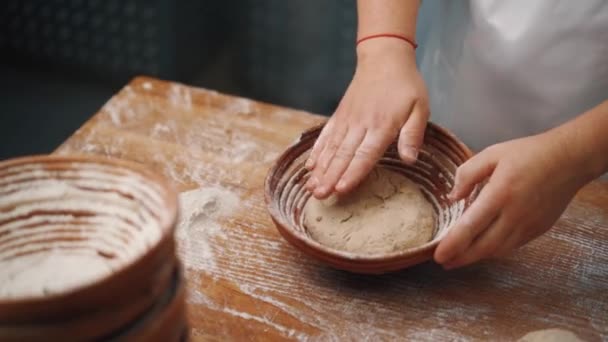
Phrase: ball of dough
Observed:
(386, 213)
(550, 335)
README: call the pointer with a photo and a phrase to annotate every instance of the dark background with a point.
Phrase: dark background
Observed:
(61, 60)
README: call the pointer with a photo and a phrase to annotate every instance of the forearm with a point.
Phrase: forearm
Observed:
(586, 140)
(386, 16)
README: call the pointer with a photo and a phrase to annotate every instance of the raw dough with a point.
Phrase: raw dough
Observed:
(550, 335)
(386, 213)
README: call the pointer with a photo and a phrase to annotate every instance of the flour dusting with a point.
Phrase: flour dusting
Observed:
(240, 106)
(119, 111)
(180, 96)
(200, 210)
(48, 273)
(160, 129)
(66, 228)
(251, 152)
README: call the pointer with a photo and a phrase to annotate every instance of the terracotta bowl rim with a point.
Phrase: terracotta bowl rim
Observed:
(167, 223)
(327, 252)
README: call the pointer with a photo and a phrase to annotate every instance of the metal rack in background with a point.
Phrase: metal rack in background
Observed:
(113, 39)
(299, 52)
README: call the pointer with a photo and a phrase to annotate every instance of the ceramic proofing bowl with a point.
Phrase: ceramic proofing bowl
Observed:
(440, 156)
(86, 246)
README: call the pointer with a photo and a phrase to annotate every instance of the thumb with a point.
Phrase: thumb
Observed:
(472, 172)
(411, 135)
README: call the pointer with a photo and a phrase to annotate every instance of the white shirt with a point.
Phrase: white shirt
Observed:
(498, 70)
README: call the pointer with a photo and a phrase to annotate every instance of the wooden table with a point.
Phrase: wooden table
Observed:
(246, 283)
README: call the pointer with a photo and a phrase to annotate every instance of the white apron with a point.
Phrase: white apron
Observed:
(502, 69)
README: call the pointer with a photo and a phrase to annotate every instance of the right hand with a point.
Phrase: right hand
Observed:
(386, 97)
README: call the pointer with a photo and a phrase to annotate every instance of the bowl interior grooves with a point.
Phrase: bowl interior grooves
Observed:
(440, 156)
(66, 223)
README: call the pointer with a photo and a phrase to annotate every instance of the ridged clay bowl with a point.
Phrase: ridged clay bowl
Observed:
(86, 246)
(440, 156)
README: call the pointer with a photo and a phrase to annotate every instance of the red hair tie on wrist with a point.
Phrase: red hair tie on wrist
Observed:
(389, 35)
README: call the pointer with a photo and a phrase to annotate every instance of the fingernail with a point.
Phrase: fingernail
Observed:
(321, 192)
(449, 262)
(452, 195)
(309, 164)
(312, 183)
(341, 185)
(441, 259)
(410, 153)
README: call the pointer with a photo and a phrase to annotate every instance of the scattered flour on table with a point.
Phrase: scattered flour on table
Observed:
(240, 106)
(180, 96)
(200, 210)
(160, 129)
(244, 151)
(250, 151)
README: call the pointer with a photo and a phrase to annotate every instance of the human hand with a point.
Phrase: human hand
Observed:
(531, 181)
(386, 97)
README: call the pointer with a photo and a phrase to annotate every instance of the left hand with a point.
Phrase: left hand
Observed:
(531, 181)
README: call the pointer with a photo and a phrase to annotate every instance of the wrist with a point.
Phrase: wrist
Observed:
(592, 160)
(385, 49)
(578, 158)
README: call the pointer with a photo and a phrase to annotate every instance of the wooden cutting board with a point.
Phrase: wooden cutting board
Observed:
(246, 283)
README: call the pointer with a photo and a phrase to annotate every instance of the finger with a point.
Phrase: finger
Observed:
(338, 134)
(371, 149)
(475, 220)
(319, 145)
(412, 133)
(484, 246)
(472, 172)
(512, 242)
(334, 141)
(342, 158)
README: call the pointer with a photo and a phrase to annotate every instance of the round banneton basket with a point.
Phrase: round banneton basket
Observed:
(86, 250)
(440, 156)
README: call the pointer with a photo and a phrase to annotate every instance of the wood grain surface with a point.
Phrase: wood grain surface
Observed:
(247, 284)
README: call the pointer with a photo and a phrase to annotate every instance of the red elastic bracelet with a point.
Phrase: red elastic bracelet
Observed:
(389, 35)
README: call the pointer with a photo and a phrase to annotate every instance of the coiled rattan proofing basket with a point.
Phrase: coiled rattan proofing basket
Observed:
(87, 251)
(440, 156)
